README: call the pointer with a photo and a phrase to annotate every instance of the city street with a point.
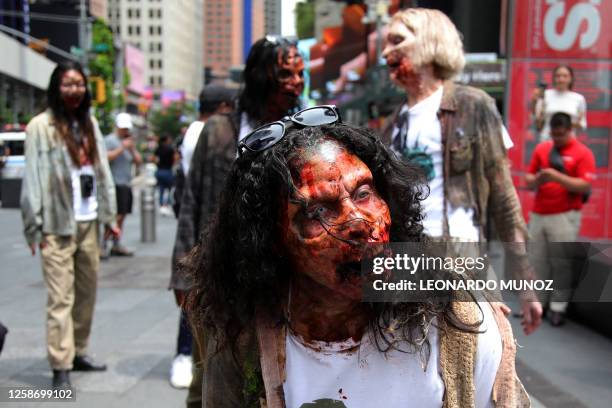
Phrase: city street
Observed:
(136, 321)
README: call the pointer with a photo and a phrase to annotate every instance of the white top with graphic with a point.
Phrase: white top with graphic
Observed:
(356, 375)
(85, 208)
(423, 146)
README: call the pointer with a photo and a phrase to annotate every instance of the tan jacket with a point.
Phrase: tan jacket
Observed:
(46, 193)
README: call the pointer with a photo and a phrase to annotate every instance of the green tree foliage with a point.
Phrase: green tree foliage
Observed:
(170, 120)
(102, 65)
(305, 19)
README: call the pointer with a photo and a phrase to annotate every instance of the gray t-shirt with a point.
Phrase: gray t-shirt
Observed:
(121, 167)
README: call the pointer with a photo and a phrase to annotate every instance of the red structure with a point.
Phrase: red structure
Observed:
(546, 33)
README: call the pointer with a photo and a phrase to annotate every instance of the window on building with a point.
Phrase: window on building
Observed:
(151, 13)
(151, 47)
(159, 30)
(151, 64)
(137, 13)
(151, 80)
(159, 80)
(159, 13)
(130, 30)
(137, 30)
(159, 47)
(129, 13)
(151, 30)
(159, 64)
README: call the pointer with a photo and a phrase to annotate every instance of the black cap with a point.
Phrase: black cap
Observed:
(215, 93)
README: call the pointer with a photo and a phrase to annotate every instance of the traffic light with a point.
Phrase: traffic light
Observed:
(98, 89)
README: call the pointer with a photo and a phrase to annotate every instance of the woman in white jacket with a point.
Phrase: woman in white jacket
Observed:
(67, 192)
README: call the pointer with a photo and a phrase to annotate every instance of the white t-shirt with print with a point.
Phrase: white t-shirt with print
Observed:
(85, 209)
(357, 375)
(424, 147)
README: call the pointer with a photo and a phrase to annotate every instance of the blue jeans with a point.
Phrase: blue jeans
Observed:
(184, 341)
(165, 181)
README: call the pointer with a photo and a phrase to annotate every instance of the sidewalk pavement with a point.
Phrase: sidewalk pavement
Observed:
(565, 367)
(134, 329)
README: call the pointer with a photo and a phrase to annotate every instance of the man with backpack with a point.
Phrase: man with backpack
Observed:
(561, 172)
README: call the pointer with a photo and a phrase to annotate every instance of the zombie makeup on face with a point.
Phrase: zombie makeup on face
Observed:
(72, 89)
(335, 213)
(398, 53)
(290, 73)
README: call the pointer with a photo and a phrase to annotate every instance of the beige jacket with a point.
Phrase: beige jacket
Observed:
(46, 193)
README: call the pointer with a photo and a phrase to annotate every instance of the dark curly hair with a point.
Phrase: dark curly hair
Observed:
(261, 76)
(238, 268)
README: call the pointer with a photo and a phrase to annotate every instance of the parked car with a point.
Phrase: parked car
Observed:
(12, 145)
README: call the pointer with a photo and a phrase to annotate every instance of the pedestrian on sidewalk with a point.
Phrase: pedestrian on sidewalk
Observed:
(273, 83)
(455, 134)
(164, 158)
(280, 292)
(214, 100)
(67, 192)
(561, 172)
(122, 155)
(560, 98)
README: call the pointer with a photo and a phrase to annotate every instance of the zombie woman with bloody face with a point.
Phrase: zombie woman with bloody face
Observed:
(67, 193)
(278, 295)
(455, 134)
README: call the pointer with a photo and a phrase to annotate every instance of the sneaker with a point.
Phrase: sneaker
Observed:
(166, 211)
(180, 373)
(119, 250)
(61, 379)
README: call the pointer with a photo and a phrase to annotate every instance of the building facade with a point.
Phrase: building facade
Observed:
(272, 11)
(230, 28)
(170, 34)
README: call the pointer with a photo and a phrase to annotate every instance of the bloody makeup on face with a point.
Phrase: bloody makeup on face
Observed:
(337, 211)
(290, 74)
(400, 43)
(72, 89)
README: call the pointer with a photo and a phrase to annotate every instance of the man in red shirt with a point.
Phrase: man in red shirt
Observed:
(561, 172)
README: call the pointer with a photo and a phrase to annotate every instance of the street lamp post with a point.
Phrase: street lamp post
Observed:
(83, 25)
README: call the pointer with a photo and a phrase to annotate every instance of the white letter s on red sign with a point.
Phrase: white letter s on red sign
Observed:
(569, 33)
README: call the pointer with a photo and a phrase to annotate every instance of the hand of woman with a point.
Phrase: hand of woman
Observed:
(537, 93)
(41, 245)
(109, 231)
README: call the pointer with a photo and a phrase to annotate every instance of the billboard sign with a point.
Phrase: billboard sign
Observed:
(135, 64)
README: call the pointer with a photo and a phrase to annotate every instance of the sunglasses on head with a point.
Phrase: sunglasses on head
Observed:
(279, 40)
(270, 134)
